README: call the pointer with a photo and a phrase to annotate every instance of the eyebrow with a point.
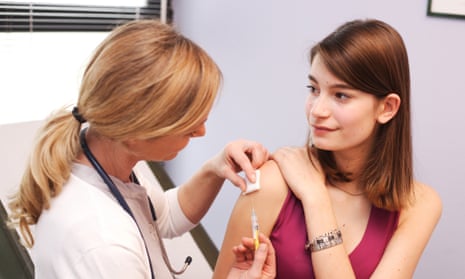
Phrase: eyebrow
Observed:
(337, 85)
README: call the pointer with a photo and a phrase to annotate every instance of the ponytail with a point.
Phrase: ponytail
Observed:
(48, 168)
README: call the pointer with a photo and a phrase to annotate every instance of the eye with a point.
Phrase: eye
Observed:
(342, 96)
(312, 89)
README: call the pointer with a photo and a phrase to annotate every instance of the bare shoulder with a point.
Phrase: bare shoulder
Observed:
(273, 187)
(272, 182)
(267, 201)
(426, 204)
(426, 197)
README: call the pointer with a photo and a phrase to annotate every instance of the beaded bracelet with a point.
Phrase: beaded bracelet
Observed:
(325, 241)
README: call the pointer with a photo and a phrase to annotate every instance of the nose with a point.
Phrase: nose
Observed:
(319, 107)
(199, 132)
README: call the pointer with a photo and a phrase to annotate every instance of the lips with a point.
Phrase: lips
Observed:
(321, 130)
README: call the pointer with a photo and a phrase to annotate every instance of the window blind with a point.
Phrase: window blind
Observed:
(32, 17)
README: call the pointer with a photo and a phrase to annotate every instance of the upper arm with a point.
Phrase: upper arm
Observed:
(416, 225)
(171, 220)
(267, 204)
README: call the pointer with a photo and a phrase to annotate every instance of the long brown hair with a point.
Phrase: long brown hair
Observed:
(371, 56)
(145, 80)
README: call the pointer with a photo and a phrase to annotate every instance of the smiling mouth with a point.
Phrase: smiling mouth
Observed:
(321, 128)
(321, 131)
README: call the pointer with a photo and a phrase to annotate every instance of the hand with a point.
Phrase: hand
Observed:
(240, 155)
(250, 264)
(299, 171)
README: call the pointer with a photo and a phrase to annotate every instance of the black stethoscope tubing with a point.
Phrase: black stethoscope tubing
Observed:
(114, 190)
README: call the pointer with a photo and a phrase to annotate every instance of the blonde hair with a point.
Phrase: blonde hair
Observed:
(145, 80)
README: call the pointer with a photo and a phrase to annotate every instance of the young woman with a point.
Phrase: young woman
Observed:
(346, 205)
(145, 93)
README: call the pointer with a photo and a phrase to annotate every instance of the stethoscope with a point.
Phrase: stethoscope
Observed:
(119, 197)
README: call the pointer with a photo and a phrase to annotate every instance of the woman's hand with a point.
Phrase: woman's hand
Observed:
(198, 193)
(299, 171)
(240, 155)
(250, 264)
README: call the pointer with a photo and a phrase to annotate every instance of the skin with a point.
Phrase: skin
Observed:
(343, 120)
(251, 264)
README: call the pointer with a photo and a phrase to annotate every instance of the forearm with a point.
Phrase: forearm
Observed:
(197, 194)
(320, 219)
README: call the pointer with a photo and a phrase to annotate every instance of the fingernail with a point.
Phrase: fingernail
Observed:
(253, 177)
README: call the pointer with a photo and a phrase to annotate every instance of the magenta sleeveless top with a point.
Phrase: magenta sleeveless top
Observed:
(289, 236)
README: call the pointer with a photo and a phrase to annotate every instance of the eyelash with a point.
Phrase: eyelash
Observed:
(312, 88)
(338, 95)
(341, 96)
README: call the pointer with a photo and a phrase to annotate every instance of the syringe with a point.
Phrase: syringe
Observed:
(255, 229)
(252, 187)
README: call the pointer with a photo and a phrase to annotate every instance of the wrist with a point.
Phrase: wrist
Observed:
(210, 173)
(325, 241)
(317, 198)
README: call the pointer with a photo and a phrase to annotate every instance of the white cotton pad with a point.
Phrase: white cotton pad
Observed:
(252, 187)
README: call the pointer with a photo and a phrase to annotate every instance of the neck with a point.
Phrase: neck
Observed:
(352, 161)
(111, 155)
(352, 191)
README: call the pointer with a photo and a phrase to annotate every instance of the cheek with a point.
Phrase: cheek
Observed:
(346, 118)
(179, 144)
(308, 107)
(167, 146)
(356, 124)
(171, 149)
(183, 143)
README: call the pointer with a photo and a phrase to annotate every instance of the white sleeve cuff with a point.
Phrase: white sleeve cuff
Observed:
(179, 222)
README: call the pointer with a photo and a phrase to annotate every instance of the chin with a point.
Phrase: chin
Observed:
(170, 156)
(321, 146)
(163, 157)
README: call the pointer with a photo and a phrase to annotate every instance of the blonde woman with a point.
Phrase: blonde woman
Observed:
(146, 92)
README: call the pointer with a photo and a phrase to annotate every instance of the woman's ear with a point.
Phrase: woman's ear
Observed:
(388, 108)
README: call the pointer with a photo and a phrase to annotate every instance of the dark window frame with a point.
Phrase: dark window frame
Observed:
(34, 17)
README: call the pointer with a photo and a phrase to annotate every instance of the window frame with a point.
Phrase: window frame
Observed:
(28, 16)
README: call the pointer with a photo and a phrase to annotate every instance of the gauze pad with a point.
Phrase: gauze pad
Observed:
(252, 187)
